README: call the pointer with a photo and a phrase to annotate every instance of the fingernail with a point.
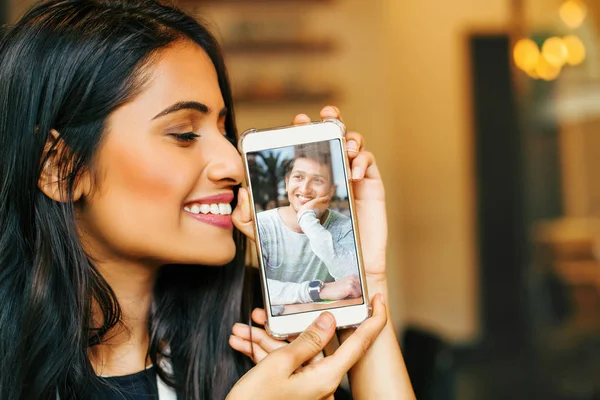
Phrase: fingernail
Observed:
(352, 146)
(329, 109)
(381, 298)
(325, 321)
(357, 173)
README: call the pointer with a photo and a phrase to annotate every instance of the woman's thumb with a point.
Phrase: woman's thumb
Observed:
(312, 341)
(242, 215)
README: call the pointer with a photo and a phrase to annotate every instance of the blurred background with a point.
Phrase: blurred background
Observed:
(484, 116)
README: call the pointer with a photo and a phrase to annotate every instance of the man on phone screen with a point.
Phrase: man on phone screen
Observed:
(308, 248)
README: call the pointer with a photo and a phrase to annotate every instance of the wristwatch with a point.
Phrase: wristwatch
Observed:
(314, 289)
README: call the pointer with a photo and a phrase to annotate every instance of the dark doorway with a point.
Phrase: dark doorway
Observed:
(3, 12)
(501, 197)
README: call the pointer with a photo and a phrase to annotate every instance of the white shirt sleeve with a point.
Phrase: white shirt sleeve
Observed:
(338, 257)
(281, 293)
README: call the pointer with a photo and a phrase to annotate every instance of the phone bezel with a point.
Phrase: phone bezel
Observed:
(259, 140)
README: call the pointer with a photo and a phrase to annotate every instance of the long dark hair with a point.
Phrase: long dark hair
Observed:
(66, 65)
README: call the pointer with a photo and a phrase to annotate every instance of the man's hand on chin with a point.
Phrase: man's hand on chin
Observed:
(319, 205)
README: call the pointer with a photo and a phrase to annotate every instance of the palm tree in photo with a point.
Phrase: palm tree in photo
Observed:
(275, 166)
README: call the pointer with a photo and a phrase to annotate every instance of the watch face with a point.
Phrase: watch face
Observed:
(314, 284)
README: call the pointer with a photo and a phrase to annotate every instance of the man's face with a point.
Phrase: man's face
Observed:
(308, 180)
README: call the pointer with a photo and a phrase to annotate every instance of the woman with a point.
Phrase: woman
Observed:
(115, 117)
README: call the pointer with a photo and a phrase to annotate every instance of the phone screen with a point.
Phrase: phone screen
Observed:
(305, 228)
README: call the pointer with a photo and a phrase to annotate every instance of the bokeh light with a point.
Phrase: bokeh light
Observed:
(555, 51)
(546, 70)
(526, 54)
(573, 13)
(575, 49)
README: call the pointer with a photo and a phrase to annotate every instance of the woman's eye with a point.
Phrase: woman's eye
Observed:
(185, 137)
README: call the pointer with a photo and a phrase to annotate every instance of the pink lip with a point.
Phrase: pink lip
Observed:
(218, 198)
(221, 221)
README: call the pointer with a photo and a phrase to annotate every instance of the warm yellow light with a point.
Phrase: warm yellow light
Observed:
(573, 13)
(555, 51)
(532, 73)
(526, 54)
(576, 50)
(547, 71)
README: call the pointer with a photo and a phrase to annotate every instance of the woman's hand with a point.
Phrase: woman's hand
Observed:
(291, 371)
(253, 341)
(369, 199)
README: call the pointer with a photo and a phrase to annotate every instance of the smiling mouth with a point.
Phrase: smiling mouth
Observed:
(304, 199)
(214, 209)
(216, 214)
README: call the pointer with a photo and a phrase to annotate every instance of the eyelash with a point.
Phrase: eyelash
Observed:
(185, 137)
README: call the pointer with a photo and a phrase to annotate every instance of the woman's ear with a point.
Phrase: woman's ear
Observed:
(50, 183)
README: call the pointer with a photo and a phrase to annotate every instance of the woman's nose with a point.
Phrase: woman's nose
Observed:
(226, 163)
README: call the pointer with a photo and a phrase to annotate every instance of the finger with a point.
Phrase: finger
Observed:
(246, 347)
(317, 200)
(259, 316)
(301, 119)
(307, 345)
(354, 144)
(331, 112)
(324, 199)
(364, 166)
(360, 341)
(258, 336)
(242, 215)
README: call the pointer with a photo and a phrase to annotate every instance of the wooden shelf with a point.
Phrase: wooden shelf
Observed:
(279, 46)
(251, 2)
(284, 99)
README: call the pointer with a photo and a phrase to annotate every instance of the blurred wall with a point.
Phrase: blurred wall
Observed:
(433, 143)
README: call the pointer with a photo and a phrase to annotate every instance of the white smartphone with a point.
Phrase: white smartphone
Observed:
(305, 227)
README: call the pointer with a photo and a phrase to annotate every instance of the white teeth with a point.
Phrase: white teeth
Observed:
(215, 209)
(224, 209)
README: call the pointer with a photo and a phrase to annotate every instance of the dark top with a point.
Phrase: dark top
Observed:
(139, 386)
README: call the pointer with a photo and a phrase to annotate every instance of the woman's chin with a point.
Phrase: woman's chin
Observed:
(213, 255)
(216, 256)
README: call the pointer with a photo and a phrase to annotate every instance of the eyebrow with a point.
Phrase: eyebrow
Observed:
(299, 171)
(189, 105)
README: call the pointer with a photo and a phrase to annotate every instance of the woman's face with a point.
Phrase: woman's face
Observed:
(165, 171)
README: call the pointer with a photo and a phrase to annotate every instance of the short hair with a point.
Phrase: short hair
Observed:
(319, 152)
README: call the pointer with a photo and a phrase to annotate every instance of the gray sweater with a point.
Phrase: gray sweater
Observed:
(325, 252)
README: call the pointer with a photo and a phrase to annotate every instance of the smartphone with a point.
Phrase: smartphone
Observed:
(306, 231)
